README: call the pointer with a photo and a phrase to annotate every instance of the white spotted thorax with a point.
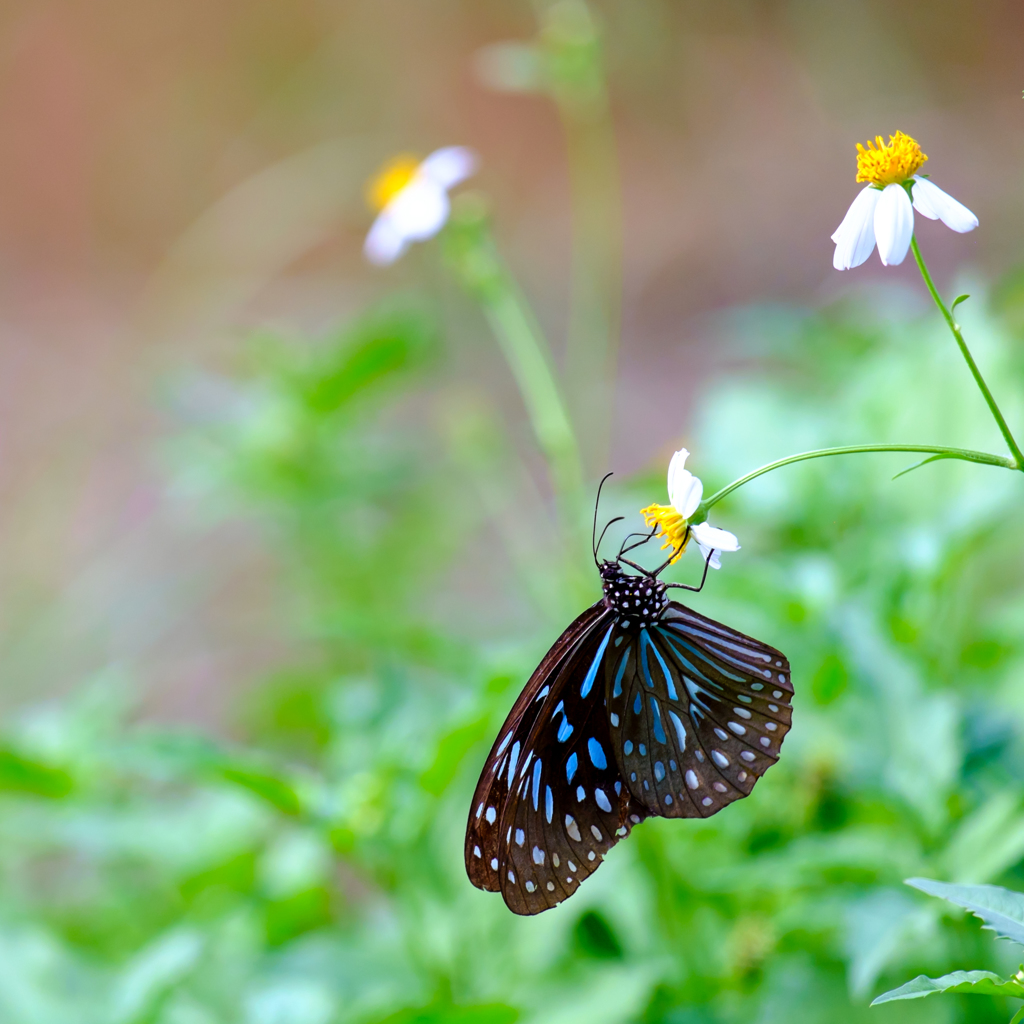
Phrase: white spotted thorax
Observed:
(638, 601)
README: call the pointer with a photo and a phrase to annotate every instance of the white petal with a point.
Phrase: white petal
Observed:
(931, 202)
(710, 539)
(384, 242)
(715, 561)
(855, 236)
(684, 489)
(447, 167)
(894, 225)
(420, 209)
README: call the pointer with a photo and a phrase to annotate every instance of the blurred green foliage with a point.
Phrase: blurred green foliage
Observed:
(311, 873)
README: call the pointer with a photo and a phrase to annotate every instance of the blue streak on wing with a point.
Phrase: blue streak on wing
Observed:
(705, 657)
(680, 730)
(564, 730)
(715, 658)
(617, 689)
(669, 685)
(696, 690)
(659, 731)
(643, 660)
(597, 758)
(722, 642)
(570, 767)
(536, 783)
(512, 759)
(588, 683)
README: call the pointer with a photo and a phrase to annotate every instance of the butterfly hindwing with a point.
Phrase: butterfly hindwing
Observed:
(698, 712)
(482, 832)
(568, 805)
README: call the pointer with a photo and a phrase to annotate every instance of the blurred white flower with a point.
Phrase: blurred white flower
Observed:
(684, 494)
(883, 213)
(412, 199)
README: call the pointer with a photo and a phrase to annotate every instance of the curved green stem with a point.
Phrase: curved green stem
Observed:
(938, 451)
(473, 255)
(1018, 456)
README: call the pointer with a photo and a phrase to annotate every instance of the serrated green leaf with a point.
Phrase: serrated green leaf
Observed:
(1001, 909)
(980, 983)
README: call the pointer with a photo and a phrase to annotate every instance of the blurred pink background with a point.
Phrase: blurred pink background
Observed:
(173, 174)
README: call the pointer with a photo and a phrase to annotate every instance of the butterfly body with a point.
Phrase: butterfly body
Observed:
(641, 708)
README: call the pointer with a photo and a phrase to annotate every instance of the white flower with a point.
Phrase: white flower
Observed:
(412, 198)
(883, 212)
(684, 494)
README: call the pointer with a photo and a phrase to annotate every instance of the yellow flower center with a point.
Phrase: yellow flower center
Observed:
(390, 180)
(672, 525)
(890, 164)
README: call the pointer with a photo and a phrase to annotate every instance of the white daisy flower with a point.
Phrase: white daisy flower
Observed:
(883, 213)
(411, 197)
(684, 494)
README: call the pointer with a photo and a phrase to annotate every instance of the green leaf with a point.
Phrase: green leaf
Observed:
(957, 301)
(979, 983)
(264, 784)
(21, 774)
(1001, 909)
(380, 346)
(451, 750)
(918, 465)
(447, 1013)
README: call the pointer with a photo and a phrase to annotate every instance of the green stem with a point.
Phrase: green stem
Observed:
(1018, 456)
(938, 451)
(527, 358)
(473, 255)
(572, 47)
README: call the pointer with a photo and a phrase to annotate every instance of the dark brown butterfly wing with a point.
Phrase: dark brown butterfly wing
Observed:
(569, 805)
(482, 831)
(698, 712)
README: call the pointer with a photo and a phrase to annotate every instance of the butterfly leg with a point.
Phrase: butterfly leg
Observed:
(646, 537)
(703, 579)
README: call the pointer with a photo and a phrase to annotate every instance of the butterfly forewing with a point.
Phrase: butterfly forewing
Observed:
(698, 712)
(568, 805)
(489, 800)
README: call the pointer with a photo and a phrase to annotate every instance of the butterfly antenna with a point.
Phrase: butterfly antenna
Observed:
(617, 519)
(594, 542)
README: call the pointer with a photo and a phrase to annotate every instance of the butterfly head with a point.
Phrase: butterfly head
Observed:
(636, 600)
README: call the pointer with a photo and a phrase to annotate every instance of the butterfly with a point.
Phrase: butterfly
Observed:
(641, 708)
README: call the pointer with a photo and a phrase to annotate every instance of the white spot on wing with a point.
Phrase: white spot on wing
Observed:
(491, 815)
